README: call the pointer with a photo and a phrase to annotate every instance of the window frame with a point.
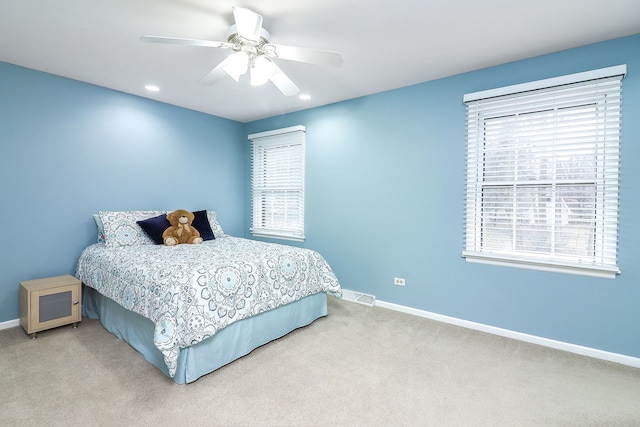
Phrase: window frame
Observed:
(278, 183)
(474, 251)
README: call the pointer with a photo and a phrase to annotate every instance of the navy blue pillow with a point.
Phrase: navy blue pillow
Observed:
(201, 223)
(154, 227)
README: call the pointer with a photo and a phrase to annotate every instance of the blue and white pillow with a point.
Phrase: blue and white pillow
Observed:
(100, 228)
(215, 225)
(121, 228)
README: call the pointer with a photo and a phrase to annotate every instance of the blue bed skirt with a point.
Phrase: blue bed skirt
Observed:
(227, 345)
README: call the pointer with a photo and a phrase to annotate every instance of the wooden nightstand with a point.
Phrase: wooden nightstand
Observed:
(50, 302)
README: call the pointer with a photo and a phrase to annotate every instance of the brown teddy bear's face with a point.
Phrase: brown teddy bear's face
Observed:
(180, 217)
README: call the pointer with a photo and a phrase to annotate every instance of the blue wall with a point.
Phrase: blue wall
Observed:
(70, 149)
(384, 195)
(384, 199)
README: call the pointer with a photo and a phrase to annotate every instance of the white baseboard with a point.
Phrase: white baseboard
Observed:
(559, 345)
(9, 324)
(533, 339)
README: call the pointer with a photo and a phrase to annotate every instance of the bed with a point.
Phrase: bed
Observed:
(191, 309)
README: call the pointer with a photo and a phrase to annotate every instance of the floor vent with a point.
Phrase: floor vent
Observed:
(359, 297)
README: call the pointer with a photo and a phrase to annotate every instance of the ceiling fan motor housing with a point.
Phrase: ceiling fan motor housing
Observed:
(246, 45)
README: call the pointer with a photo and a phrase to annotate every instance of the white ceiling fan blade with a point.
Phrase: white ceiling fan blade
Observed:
(311, 56)
(248, 23)
(283, 83)
(188, 42)
(214, 75)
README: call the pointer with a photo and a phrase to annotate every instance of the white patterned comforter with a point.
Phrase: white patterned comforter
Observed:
(192, 291)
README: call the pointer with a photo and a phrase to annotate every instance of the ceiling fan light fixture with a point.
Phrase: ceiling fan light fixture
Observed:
(236, 65)
(261, 71)
(252, 52)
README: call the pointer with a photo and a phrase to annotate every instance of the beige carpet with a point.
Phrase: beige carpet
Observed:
(360, 366)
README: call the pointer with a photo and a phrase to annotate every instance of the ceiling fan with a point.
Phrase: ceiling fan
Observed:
(253, 53)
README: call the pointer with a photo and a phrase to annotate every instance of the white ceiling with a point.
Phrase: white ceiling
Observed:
(385, 44)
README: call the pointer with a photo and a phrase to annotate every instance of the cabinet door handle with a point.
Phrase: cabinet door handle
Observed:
(75, 302)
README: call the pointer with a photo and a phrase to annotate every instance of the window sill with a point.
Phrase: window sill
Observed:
(543, 265)
(278, 236)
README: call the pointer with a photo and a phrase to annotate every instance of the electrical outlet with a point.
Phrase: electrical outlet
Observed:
(398, 281)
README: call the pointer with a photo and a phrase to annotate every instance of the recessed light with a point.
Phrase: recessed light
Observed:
(305, 96)
(152, 88)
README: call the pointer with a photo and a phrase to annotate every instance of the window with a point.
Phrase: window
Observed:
(542, 174)
(277, 183)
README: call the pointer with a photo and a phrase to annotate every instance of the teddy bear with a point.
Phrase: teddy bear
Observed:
(181, 230)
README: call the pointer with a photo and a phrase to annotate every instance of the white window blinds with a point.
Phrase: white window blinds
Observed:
(277, 183)
(542, 174)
